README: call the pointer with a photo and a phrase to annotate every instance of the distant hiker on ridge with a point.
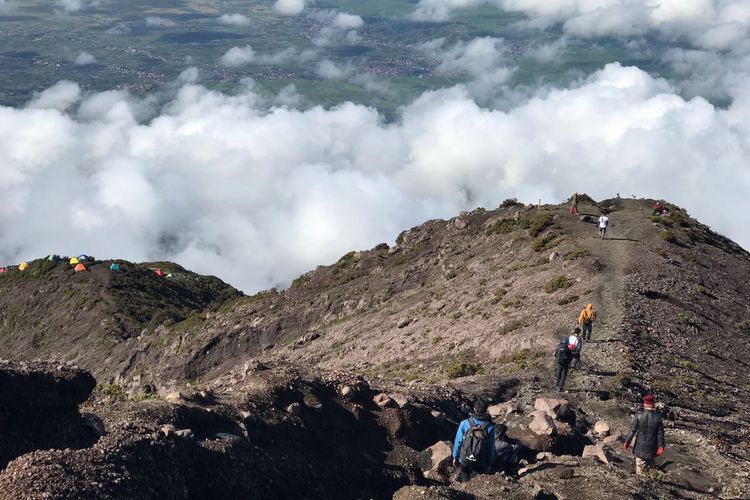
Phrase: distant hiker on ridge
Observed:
(563, 357)
(603, 224)
(648, 431)
(575, 344)
(474, 446)
(574, 204)
(586, 320)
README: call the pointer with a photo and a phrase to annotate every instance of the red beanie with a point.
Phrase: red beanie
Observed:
(648, 399)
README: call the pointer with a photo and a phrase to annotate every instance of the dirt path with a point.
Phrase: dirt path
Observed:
(602, 358)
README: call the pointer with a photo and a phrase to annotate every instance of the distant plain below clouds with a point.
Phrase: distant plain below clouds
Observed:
(259, 194)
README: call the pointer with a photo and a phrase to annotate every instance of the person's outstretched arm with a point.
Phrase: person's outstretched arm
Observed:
(633, 431)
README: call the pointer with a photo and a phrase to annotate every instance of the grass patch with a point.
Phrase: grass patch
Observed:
(668, 236)
(512, 303)
(567, 300)
(576, 254)
(502, 226)
(463, 366)
(511, 327)
(498, 296)
(522, 360)
(557, 283)
(546, 242)
(541, 222)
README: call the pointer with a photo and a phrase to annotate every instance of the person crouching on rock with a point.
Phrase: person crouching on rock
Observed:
(474, 446)
(563, 357)
(648, 431)
(506, 451)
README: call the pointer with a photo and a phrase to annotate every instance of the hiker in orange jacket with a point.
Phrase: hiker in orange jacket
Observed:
(586, 320)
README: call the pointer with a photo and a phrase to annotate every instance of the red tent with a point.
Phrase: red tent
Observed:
(159, 272)
(2, 269)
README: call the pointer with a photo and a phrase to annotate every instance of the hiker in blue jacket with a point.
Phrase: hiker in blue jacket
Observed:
(474, 446)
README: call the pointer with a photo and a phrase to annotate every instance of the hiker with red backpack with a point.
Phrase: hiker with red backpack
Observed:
(474, 446)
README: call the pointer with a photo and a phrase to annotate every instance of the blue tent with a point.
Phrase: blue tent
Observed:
(114, 267)
(82, 257)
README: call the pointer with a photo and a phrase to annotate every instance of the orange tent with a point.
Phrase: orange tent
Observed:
(79, 268)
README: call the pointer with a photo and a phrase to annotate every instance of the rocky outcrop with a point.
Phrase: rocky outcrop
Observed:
(39, 408)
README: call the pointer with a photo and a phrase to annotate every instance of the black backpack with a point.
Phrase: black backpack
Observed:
(563, 355)
(474, 447)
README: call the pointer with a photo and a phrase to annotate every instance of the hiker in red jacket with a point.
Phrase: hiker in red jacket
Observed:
(648, 431)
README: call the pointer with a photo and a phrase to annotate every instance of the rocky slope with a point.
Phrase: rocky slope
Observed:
(462, 308)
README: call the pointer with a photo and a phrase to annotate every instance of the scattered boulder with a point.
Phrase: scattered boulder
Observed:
(545, 455)
(309, 337)
(542, 423)
(312, 402)
(393, 250)
(167, 430)
(294, 409)
(555, 408)
(184, 434)
(460, 223)
(400, 399)
(601, 428)
(347, 392)
(586, 218)
(599, 451)
(501, 410)
(440, 456)
(224, 436)
(174, 397)
(614, 437)
(438, 415)
(403, 322)
(383, 400)
(553, 256)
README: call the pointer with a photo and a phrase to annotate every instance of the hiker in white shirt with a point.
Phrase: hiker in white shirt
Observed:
(603, 223)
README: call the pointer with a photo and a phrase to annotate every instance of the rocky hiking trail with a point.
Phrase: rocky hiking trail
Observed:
(363, 369)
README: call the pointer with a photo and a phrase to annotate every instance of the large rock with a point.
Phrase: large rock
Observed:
(441, 456)
(42, 386)
(542, 423)
(530, 439)
(555, 408)
(403, 322)
(294, 409)
(400, 399)
(501, 410)
(600, 451)
(383, 400)
(601, 428)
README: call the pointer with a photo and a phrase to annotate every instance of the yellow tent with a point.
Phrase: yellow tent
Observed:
(24, 266)
(74, 261)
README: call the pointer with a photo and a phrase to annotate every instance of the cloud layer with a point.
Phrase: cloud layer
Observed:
(711, 24)
(231, 185)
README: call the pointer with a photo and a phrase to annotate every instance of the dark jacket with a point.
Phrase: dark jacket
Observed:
(648, 430)
(563, 355)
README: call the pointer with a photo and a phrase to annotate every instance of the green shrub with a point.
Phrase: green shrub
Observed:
(567, 300)
(557, 283)
(575, 254)
(346, 259)
(542, 222)
(498, 296)
(668, 236)
(510, 202)
(463, 366)
(546, 242)
(502, 226)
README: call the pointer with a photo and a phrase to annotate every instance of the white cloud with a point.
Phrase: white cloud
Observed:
(159, 21)
(346, 21)
(258, 195)
(711, 24)
(238, 56)
(289, 7)
(234, 19)
(190, 75)
(482, 59)
(6, 6)
(70, 5)
(60, 96)
(84, 59)
(549, 53)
